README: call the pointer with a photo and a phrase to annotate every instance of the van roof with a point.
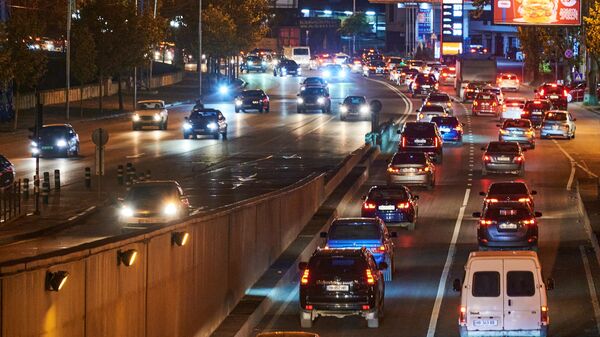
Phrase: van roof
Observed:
(494, 255)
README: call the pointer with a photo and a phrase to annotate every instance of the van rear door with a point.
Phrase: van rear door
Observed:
(522, 298)
(485, 302)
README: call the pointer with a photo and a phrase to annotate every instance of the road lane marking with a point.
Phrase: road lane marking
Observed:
(281, 309)
(409, 104)
(592, 174)
(571, 176)
(591, 287)
(133, 156)
(435, 313)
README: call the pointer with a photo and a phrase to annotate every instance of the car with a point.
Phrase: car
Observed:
(411, 168)
(556, 93)
(471, 90)
(370, 233)
(447, 75)
(334, 72)
(431, 67)
(558, 123)
(535, 109)
(410, 76)
(450, 128)
(394, 205)
(507, 225)
(486, 104)
(427, 112)
(341, 58)
(494, 90)
(507, 81)
(423, 85)
(287, 67)
(314, 98)
(576, 91)
(416, 64)
(441, 99)
(356, 107)
(56, 140)
(254, 63)
(153, 202)
(395, 62)
(509, 191)
(517, 130)
(313, 81)
(503, 157)
(375, 67)
(324, 59)
(512, 108)
(150, 113)
(205, 122)
(422, 137)
(252, 99)
(503, 294)
(340, 283)
(7, 173)
(356, 65)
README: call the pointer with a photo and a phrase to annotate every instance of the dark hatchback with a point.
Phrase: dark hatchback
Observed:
(509, 191)
(314, 98)
(423, 85)
(205, 122)
(557, 94)
(450, 128)
(395, 205)
(56, 140)
(472, 90)
(507, 225)
(340, 283)
(422, 137)
(252, 99)
(7, 173)
(535, 109)
(503, 157)
(355, 107)
(287, 67)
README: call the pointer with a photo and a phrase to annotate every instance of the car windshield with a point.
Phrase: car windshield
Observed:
(354, 100)
(425, 79)
(517, 123)
(438, 98)
(254, 59)
(409, 158)
(378, 64)
(252, 93)
(334, 67)
(313, 80)
(354, 231)
(203, 114)
(419, 130)
(337, 265)
(556, 116)
(149, 105)
(314, 91)
(503, 147)
(449, 121)
(151, 192)
(289, 63)
(395, 60)
(379, 193)
(53, 131)
(508, 188)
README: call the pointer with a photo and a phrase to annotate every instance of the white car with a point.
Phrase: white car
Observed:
(503, 294)
(508, 82)
(150, 113)
(427, 112)
(512, 108)
(341, 58)
(558, 123)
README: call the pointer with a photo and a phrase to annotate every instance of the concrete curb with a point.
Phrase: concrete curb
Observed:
(587, 226)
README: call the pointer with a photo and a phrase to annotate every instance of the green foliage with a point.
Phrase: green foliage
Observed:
(355, 24)
(592, 26)
(83, 54)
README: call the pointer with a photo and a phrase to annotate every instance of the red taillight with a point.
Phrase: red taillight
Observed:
(485, 222)
(366, 307)
(544, 315)
(370, 278)
(519, 159)
(444, 75)
(529, 222)
(435, 142)
(265, 100)
(462, 316)
(403, 205)
(565, 93)
(542, 92)
(524, 200)
(309, 307)
(452, 69)
(475, 103)
(403, 141)
(492, 200)
(425, 169)
(393, 170)
(369, 205)
(458, 128)
(486, 158)
(304, 279)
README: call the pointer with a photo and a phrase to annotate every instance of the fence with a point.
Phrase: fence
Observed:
(10, 202)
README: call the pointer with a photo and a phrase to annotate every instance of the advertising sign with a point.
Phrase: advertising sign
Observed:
(452, 21)
(424, 23)
(537, 12)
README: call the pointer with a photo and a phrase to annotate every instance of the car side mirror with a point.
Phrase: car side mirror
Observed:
(456, 285)
(452, 100)
(186, 119)
(382, 266)
(394, 234)
(550, 284)
(533, 192)
(538, 214)
(323, 234)
(477, 214)
(302, 265)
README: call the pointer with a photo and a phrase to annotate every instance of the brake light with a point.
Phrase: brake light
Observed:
(462, 317)
(537, 102)
(403, 205)
(403, 141)
(524, 200)
(370, 278)
(381, 248)
(356, 62)
(452, 69)
(365, 307)
(565, 92)
(491, 200)
(458, 128)
(393, 170)
(475, 103)
(517, 80)
(435, 142)
(485, 222)
(542, 92)
(519, 159)
(444, 75)
(369, 205)
(494, 104)
(529, 222)
(553, 85)
(421, 116)
(486, 158)
(304, 279)
(544, 315)
(308, 307)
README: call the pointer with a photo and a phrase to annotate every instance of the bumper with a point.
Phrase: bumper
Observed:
(484, 112)
(518, 139)
(132, 221)
(395, 217)
(312, 106)
(421, 91)
(451, 135)
(542, 332)
(554, 133)
(256, 106)
(147, 123)
(506, 241)
(503, 168)
(54, 152)
(409, 179)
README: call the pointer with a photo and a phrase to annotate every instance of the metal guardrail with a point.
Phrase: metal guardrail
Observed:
(385, 137)
(10, 202)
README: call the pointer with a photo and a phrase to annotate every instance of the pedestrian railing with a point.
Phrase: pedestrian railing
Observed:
(10, 202)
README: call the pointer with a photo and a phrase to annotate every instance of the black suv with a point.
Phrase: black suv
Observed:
(339, 283)
(205, 122)
(535, 109)
(7, 173)
(254, 63)
(555, 93)
(424, 84)
(422, 137)
(252, 99)
(507, 225)
(509, 191)
(314, 98)
(287, 67)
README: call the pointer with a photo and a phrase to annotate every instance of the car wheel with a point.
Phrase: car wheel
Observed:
(275, 73)
(299, 111)
(224, 135)
(522, 171)
(135, 127)
(411, 226)
(532, 146)
(165, 125)
(305, 323)
(329, 109)
(534, 248)
(342, 117)
(324, 110)
(268, 108)
(388, 274)
(440, 158)
(76, 152)
(573, 135)
(186, 135)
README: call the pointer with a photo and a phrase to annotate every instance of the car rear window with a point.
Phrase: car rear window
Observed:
(438, 98)
(486, 284)
(425, 79)
(549, 89)
(354, 231)
(408, 158)
(556, 116)
(388, 194)
(537, 105)
(419, 130)
(517, 123)
(509, 77)
(149, 105)
(485, 97)
(520, 284)
(337, 265)
(503, 147)
(433, 108)
(508, 188)
(203, 114)
(300, 51)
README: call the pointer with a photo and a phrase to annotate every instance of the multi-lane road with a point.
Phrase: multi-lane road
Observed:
(420, 301)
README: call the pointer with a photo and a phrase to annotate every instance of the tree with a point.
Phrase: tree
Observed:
(83, 59)
(355, 24)
(592, 39)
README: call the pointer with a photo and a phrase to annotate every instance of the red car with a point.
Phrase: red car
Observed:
(576, 92)
(486, 103)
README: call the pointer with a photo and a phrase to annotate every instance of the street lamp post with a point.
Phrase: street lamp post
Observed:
(68, 62)
(199, 48)
(353, 35)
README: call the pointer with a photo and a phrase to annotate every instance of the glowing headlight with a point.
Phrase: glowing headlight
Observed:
(35, 150)
(250, 63)
(300, 100)
(342, 73)
(327, 74)
(156, 117)
(34, 144)
(170, 209)
(126, 211)
(264, 63)
(343, 109)
(238, 102)
(61, 143)
(302, 88)
(187, 126)
(364, 109)
(299, 71)
(321, 100)
(223, 89)
(212, 126)
(136, 118)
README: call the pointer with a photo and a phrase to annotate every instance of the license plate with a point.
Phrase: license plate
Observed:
(503, 158)
(408, 170)
(444, 129)
(553, 97)
(537, 112)
(254, 102)
(145, 220)
(338, 287)
(517, 132)
(47, 147)
(425, 86)
(554, 127)
(507, 226)
(199, 130)
(387, 207)
(420, 141)
(485, 322)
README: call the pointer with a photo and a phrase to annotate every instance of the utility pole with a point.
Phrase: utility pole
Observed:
(135, 71)
(199, 49)
(68, 63)
(353, 35)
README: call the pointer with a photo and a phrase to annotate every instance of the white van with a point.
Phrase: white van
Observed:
(299, 54)
(503, 294)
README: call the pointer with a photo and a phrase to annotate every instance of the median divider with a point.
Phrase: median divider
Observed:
(386, 137)
(163, 285)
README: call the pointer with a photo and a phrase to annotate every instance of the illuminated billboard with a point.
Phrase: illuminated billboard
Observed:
(537, 12)
(452, 21)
